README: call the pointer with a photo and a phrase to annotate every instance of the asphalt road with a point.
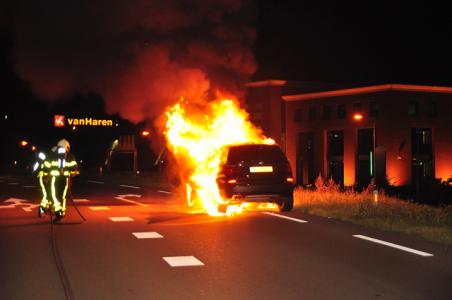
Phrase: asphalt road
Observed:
(256, 255)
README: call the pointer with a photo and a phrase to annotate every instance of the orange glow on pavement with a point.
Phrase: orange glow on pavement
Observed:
(197, 136)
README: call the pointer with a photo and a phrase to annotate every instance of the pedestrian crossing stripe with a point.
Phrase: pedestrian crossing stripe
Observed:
(183, 261)
(97, 208)
(121, 219)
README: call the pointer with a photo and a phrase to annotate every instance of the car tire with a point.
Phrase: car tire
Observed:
(286, 204)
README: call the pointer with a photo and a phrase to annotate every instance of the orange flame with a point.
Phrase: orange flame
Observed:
(197, 137)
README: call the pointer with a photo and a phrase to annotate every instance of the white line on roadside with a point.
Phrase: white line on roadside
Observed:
(183, 261)
(285, 217)
(147, 235)
(81, 200)
(97, 182)
(123, 198)
(130, 186)
(411, 250)
(121, 219)
(164, 192)
(97, 208)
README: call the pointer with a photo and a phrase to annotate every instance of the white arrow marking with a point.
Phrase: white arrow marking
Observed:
(123, 198)
(19, 202)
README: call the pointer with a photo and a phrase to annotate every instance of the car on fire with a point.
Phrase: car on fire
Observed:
(257, 173)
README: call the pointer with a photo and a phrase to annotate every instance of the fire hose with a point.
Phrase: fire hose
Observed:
(56, 253)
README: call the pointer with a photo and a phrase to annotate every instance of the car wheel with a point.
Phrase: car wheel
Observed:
(286, 204)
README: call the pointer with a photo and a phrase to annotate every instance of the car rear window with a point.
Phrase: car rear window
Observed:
(252, 153)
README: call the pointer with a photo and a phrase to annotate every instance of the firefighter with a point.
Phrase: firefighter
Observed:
(64, 166)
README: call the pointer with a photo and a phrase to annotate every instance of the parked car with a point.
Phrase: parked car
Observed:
(257, 173)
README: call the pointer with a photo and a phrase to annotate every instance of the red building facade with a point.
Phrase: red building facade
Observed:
(404, 134)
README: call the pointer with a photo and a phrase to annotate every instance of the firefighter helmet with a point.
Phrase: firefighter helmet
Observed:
(63, 143)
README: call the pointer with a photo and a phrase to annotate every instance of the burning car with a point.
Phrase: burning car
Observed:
(256, 173)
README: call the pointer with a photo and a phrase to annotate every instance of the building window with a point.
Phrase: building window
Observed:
(298, 115)
(357, 107)
(312, 113)
(341, 111)
(432, 110)
(413, 108)
(374, 109)
(326, 115)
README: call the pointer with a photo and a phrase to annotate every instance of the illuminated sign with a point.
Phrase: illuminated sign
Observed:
(59, 121)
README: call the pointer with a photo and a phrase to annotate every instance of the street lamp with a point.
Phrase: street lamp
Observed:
(145, 133)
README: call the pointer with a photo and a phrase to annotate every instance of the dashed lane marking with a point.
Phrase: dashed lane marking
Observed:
(147, 235)
(97, 208)
(97, 182)
(130, 186)
(183, 261)
(81, 200)
(164, 192)
(285, 217)
(124, 198)
(121, 219)
(13, 183)
(403, 248)
(29, 186)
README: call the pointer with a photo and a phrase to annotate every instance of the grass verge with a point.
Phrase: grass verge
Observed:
(388, 213)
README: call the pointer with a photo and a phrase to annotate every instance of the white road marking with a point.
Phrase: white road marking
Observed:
(19, 202)
(403, 248)
(183, 261)
(164, 192)
(123, 198)
(285, 217)
(81, 200)
(130, 186)
(121, 219)
(93, 181)
(97, 208)
(13, 183)
(147, 235)
(29, 186)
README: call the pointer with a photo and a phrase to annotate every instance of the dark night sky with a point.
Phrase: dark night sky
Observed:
(368, 43)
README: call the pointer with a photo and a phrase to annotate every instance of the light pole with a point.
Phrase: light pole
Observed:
(358, 117)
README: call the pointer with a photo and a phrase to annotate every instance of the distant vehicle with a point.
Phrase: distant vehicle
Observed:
(257, 173)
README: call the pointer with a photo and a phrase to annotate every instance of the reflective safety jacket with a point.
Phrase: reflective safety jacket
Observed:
(42, 166)
(56, 164)
(63, 164)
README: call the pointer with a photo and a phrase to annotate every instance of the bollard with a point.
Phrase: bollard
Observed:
(375, 194)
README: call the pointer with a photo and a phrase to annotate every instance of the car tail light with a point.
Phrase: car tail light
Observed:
(229, 170)
(289, 179)
(232, 181)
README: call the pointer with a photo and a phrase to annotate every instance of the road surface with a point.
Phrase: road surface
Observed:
(139, 243)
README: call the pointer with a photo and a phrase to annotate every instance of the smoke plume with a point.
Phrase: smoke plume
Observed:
(140, 55)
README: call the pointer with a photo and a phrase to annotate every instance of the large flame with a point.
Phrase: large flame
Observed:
(197, 136)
